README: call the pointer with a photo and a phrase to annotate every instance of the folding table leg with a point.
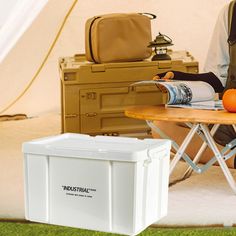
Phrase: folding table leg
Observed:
(234, 126)
(208, 140)
(198, 156)
(157, 130)
(176, 147)
(219, 157)
(183, 146)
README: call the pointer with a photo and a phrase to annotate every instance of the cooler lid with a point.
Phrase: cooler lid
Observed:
(98, 147)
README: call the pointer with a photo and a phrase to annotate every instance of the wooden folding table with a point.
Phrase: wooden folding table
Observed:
(197, 121)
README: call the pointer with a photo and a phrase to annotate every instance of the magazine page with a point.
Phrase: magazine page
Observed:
(205, 105)
(183, 92)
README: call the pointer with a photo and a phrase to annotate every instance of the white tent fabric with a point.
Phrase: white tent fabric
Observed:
(21, 63)
(20, 18)
(181, 20)
(6, 8)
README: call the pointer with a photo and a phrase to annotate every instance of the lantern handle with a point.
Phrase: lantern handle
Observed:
(167, 37)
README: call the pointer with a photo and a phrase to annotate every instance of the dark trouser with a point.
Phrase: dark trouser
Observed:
(224, 134)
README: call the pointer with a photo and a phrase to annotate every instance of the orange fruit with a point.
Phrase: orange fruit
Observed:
(229, 100)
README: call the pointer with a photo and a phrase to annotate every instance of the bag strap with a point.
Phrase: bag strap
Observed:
(150, 15)
(232, 23)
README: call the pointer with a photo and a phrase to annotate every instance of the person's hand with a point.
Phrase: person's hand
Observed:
(168, 76)
(156, 77)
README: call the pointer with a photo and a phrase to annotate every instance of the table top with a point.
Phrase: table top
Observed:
(161, 113)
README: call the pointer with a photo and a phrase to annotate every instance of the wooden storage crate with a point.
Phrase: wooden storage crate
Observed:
(94, 96)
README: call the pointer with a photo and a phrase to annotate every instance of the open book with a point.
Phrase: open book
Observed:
(187, 94)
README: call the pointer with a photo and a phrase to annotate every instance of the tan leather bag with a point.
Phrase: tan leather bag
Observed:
(118, 37)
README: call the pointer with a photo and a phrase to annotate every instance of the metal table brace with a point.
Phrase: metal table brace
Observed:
(207, 136)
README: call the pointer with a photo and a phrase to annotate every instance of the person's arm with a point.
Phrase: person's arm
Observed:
(209, 78)
(217, 57)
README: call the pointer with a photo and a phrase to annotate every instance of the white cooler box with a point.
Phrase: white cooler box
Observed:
(102, 183)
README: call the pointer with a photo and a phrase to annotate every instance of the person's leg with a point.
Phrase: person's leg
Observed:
(178, 133)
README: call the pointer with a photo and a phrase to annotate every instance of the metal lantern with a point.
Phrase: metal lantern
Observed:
(160, 44)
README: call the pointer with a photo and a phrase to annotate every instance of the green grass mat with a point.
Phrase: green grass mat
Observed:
(31, 229)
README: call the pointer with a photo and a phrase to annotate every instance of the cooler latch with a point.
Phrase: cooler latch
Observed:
(149, 159)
